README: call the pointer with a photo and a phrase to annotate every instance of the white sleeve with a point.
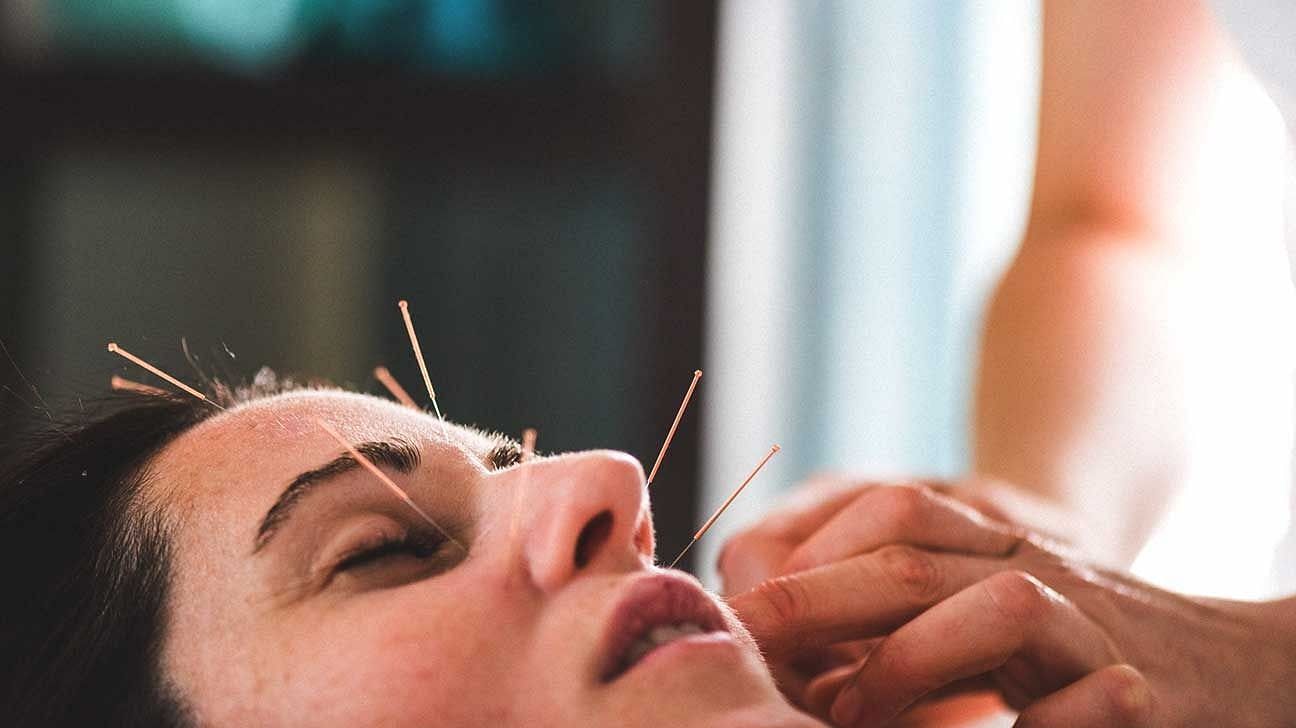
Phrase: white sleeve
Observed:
(1264, 32)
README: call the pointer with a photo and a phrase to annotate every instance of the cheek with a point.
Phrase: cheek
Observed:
(407, 662)
(435, 653)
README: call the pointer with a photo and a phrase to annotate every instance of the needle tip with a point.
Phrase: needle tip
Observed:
(776, 448)
(403, 304)
(379, 371)
(697, 372)
(681, 554)
(112, 346)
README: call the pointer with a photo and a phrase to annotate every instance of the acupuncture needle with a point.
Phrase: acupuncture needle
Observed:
(697, 374)
(383, 375)
(114, 348)
(710, 521)
(399, 492)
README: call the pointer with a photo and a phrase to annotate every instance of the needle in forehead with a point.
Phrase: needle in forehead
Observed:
(382, 374)
(528, 443)
(114, 348)
(710, 521)
(697, 374)
(367, 464)
(515, 520)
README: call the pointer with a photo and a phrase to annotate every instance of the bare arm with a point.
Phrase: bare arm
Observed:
(1090, 389)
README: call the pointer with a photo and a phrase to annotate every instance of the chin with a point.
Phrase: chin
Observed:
(713, 685)
(769, 716)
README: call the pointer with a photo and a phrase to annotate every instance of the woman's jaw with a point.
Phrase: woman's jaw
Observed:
(355, 611)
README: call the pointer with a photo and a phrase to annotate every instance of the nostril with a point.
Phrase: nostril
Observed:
(592, 537)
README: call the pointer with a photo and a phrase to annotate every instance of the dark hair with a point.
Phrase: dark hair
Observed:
(85, 563)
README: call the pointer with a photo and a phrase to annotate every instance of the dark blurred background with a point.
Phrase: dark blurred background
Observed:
(261, 181)
(549, 184)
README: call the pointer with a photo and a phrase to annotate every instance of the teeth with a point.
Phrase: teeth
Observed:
(659, 636)
(662, 635)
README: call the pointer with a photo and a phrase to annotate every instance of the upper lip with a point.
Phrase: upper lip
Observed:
(651, 601)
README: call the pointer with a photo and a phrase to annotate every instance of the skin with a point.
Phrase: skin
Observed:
(1109, 366)
(1109, 361)
(508, 635)
(871, 597)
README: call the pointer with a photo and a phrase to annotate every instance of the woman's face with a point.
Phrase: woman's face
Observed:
(306, 593)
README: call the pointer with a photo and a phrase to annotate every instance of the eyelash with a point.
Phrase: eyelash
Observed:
(417, 545)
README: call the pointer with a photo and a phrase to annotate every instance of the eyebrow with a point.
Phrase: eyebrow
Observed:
(398, 454)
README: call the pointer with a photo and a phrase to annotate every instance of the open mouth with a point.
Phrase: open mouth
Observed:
(656, 611)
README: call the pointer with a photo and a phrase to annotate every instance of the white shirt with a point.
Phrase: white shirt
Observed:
(1264, 33)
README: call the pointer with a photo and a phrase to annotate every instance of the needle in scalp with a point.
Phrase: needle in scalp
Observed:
(114, 348)
(697, 374)
(122, 384)
(368, 464)
(710, 521)
(418, 355)
(382, 374)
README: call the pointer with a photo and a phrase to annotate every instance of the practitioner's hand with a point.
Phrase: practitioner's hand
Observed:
(831, 516)
(956, 597)
(825, 519)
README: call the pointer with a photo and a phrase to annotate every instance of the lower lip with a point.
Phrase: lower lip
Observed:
(694, 647)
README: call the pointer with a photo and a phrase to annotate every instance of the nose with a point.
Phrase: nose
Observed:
(582, 513)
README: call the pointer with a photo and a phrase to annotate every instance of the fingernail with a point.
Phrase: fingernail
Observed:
(848, 706)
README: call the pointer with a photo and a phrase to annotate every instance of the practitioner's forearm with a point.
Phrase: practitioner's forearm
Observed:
(1105, 343)
(1080, 395)
(1129, 95)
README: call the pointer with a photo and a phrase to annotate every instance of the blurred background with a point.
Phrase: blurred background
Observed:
(260, 181)
(583, 201)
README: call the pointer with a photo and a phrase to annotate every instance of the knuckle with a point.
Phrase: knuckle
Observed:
(913, 571)
(801, 559)
(908, 508)
(1128, 693)
(895, 660)
(1062, 574)
(786, 599)
(1018, 596)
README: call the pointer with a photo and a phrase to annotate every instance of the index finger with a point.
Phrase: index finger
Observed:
(860, 597)
(757, 553)
(1008, 615)
(910, 514)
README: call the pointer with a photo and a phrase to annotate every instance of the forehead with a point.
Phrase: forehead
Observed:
(265, 443)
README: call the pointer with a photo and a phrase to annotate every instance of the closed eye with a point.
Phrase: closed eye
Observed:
(413, 545)
(394, 560)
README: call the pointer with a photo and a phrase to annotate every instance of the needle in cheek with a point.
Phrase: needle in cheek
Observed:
(711, 521)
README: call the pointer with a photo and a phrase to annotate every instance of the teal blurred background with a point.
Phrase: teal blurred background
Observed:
(258, 183)
(872, 172)
(584, 201)
(489, 38)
